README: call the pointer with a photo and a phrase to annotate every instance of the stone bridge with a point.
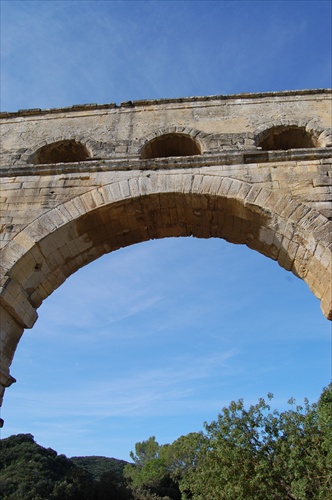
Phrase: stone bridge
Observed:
(83, 181)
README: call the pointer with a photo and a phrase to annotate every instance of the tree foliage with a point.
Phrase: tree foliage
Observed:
(149, 476)
(98, 466)
(250, 453)
(30, 472)
(260, 454)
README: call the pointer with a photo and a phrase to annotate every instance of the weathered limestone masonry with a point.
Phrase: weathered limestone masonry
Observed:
(83, 181)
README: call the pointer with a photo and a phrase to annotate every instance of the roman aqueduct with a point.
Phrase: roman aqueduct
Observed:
(79, 182)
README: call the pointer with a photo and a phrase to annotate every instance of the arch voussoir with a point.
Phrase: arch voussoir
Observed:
(282, 223)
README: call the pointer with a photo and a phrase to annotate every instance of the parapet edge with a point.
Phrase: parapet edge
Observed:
(154, 102)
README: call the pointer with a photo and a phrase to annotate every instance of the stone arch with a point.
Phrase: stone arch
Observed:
(60, 151)
(291, 134)
(150, 206)
(99, 221)
(173, 141)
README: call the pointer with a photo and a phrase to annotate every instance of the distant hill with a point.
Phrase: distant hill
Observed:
(29, 471)
(97, 466)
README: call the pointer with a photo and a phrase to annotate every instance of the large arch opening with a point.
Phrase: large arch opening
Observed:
(135, 220)
(155, 338)
(65, 151)
(70, 236)
(83, 238)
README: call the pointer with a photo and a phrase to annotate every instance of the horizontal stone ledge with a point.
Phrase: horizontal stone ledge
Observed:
(162, 101)
(243, 157)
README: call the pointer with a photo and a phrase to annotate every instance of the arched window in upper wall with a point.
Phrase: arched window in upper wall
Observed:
(66, 151)
(171, 144)
(286, 137)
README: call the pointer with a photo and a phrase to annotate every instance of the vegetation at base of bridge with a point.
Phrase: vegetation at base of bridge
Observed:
(255, 453)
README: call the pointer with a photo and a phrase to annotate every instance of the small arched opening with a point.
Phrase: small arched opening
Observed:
(171, 144)
(286, 137)
(66, 151)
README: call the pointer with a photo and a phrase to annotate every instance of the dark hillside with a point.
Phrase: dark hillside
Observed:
(97, 466)
(29, 471)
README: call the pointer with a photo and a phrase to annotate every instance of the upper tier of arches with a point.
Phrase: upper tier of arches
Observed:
(182, 142)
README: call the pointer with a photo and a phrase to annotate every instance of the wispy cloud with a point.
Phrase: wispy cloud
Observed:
(169, 390)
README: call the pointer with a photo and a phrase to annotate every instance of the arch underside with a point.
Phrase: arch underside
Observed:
(60, 242)
(250, 216)
(63, 151)
(171, 144)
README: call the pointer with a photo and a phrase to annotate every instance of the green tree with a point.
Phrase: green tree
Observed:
(259, 454)
(181, 456)
(149, 475)
(181, 459)
(145, 451)
(112, 486)
(325, 422)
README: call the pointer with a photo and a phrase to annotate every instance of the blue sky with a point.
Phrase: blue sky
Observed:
(155, 338)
